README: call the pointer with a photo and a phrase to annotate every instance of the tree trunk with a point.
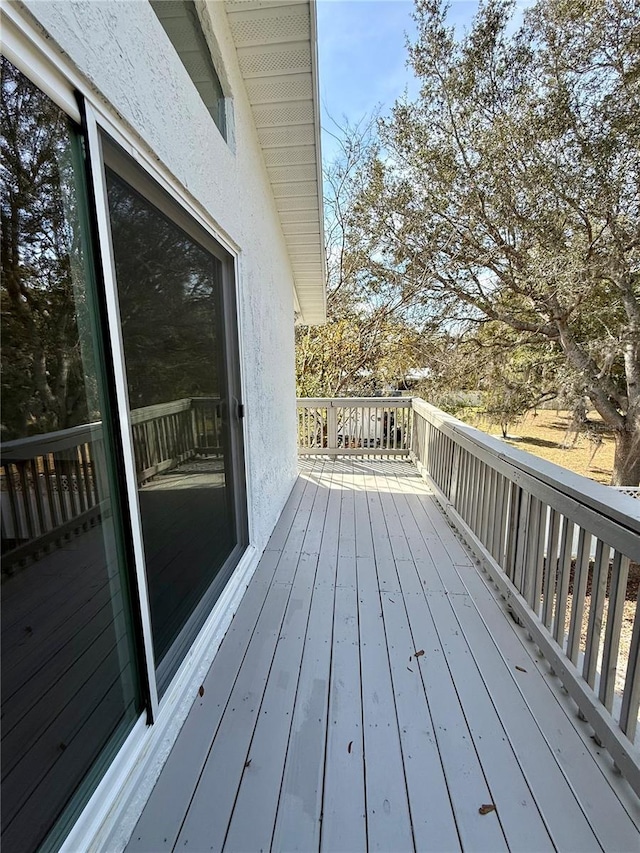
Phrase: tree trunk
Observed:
(626, 463)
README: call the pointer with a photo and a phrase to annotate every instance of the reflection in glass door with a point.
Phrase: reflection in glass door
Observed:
(171, 290)
(70, 689)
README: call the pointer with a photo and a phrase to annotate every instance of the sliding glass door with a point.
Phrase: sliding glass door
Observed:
(70, 684)
(175, 291)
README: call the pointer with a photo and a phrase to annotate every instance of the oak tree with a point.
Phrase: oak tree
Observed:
(509, 190)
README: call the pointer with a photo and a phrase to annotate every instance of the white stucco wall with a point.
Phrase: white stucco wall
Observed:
(122, 50)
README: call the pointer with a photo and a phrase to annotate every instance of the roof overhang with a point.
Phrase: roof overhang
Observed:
(276, 43)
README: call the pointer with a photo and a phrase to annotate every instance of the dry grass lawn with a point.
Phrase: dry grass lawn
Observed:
(543, 432)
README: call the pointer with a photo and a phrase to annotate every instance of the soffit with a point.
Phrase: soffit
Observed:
(276, 44)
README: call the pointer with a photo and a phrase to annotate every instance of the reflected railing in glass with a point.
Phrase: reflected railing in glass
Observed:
(48, 488)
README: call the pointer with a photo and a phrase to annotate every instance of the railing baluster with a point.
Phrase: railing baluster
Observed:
(332, 427)
(37, 494)
(453, 490)
(76, 478)
(485, 503)
(479, 490)
(512, 533)
(26, 503)
(83, 485)
(494, 537)
(550, 568)
(468, 486)
(497, 541)
(86, 479)
(488, 506)
(617, 594)
(536, 552)
(58, 465)
(11, 475)
(631, 694)
(594, 628)
(521, 541)
(580, 578)
(464, 483)
(51, 497)
(471, 483)
(564, 571)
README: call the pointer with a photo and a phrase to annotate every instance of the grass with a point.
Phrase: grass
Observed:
(543, 433)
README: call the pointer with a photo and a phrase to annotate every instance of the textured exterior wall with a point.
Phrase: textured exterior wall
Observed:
(123, 51)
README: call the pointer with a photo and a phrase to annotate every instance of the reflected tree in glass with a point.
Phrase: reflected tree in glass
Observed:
(45, 384)
(70, 691)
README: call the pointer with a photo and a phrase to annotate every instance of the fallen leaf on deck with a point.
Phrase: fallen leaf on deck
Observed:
(521, 669)
(247, 763)
(201, 691)
(418, 654)
(487, 808)
(349, 747)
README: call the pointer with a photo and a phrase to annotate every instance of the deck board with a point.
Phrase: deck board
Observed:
(319, 729)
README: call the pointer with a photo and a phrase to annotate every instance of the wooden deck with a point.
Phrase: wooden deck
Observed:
(373, 694)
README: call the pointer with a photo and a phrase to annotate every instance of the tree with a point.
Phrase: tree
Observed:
(372, 336)
(508, 192)
(45, 384)
(167, 282)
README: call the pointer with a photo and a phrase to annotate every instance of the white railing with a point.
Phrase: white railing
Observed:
(169, 433)
(372, 426)
(559, 548)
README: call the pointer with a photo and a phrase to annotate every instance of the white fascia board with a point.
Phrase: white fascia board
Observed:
(277, 48)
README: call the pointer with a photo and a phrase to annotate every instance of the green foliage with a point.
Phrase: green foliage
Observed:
(507, 197)
(372, 337)
(44, 386)
(169, 290)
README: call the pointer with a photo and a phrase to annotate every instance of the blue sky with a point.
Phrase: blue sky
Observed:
(362, 55)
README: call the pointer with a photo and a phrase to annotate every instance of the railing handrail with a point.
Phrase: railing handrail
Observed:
(354, 402)
(49, 442)
(159, 410)
(173, 407)
(607, 506)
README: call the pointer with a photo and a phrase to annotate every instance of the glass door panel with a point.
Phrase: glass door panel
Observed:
(70, 690)
(171, 295)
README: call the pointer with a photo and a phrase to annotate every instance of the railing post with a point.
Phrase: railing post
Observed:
(332, 426)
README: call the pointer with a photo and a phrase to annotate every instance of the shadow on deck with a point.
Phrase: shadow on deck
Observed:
(373, 693)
